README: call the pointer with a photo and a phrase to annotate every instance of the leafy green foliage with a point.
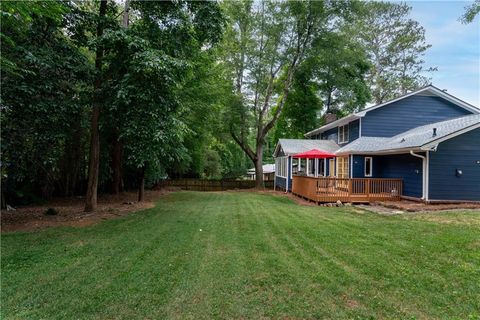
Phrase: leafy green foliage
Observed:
(43, 102)
(395, 45)
(471, 11)
(302, 107)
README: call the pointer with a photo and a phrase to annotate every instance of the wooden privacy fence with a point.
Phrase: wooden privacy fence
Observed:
(347, 190)
(212, 185)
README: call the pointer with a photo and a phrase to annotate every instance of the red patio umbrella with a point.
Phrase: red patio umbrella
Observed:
(314, 154)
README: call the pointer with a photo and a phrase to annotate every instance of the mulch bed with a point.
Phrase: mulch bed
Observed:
(70, 211)
(413, 206)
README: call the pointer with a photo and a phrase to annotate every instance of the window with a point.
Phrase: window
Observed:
(294, 167)
(342, 167)
(368, 166)
(311, 167)
(281, 167)
(343, 134)
(301, 166)
(321, 167)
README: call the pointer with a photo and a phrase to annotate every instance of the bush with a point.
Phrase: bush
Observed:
(50, 212)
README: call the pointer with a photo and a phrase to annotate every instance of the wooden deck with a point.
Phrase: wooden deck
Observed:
(346, 190)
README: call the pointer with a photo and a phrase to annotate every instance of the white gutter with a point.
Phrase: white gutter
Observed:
(424, 173)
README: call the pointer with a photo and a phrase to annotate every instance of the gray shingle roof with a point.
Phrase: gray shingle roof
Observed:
(294, 146)
(411, 139)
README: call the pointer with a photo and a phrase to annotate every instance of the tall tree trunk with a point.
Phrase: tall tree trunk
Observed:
(117, 155)
(94, 163)
(117, 148)
(259, 167)
(3, 206)
(126, 16)
(141, 184)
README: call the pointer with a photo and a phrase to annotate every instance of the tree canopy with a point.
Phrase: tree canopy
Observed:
(106, 96)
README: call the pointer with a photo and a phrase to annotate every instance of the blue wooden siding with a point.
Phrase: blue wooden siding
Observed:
(280, 182)
(463, 153)
(408, 113)
(404, 166)
(358, 166)
(353, 130)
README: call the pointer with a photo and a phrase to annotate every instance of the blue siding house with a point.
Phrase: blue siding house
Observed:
(428, 138)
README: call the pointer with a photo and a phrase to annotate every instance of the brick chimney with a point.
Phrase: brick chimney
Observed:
(330, 117)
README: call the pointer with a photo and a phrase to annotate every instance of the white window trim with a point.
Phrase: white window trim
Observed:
(339, 135)
(314, 174)
(365, 166)
(280, 159)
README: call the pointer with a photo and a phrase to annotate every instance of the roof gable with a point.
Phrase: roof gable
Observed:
(426, 91)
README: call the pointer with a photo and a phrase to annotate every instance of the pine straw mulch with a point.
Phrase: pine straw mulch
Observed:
(414, 206)
(70, 211)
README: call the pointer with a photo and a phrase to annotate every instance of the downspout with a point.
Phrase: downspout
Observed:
(424, 173)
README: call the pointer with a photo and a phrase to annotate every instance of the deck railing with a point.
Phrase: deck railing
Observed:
(347, 190)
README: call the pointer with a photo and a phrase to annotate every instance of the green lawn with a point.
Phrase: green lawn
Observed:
(246, 255)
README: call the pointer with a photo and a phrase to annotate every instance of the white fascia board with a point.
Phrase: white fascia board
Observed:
(454, 100)
(334, 124)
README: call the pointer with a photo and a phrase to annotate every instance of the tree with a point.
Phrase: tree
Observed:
(94, 158)
(147, 66)
(340, 65)
(44, 97)
(471, 11)
(302, 107)
(395, 45)
(265, 44)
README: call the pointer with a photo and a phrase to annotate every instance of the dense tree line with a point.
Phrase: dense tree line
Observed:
(104, 96)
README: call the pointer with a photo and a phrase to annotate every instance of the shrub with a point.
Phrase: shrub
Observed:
(50, 212)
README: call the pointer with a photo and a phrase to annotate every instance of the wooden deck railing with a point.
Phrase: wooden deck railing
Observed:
(347, 190)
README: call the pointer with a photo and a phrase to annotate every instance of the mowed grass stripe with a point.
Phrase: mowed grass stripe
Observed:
(257, 256)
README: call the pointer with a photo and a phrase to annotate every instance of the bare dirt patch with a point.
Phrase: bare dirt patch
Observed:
(413, 206)
(70, 211)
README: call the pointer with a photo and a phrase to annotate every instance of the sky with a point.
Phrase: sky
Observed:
(455, 47)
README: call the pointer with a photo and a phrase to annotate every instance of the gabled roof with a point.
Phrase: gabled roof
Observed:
(294, 146)
(428, 90)
(420, 138)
